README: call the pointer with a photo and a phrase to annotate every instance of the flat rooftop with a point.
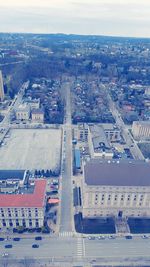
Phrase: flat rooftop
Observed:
(117, 173)
(11, 174)
(36, 199)
(99, 140)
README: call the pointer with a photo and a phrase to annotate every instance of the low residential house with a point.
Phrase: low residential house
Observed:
(37, 115)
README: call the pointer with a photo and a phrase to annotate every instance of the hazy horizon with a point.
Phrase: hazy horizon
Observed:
(99, 17)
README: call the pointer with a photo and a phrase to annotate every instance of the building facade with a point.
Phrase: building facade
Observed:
(141, 129)
(99, 146)
(27, 210)
(23, 112)
(37, 115)
(116, 189)
(1, 87)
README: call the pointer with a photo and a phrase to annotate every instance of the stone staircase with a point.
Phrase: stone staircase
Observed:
(122, 225)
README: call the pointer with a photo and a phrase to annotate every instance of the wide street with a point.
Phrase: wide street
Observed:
(76, 249)
(66, 216)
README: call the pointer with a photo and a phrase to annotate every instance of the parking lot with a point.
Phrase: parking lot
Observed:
(31, 149)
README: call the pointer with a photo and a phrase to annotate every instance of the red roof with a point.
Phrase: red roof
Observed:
(36, 199)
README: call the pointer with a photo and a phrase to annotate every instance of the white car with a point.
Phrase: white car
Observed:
(111, 237)
(101, 237)
(145, 236)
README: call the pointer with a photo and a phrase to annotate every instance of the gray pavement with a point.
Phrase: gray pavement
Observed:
(79, 249)
(66, 183)
(19, 150)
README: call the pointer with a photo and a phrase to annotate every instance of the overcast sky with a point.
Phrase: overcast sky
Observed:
(102, 17)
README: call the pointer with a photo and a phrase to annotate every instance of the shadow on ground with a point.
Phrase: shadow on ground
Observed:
(94, 226)
(139, 225)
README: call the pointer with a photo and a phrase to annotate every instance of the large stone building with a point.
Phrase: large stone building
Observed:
(141, 130)
(1, 87)
(25, 210)
(113, 188)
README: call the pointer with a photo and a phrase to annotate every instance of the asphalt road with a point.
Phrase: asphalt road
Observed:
(77, 248)
(126, 133)
(14, 105)
(66, 218)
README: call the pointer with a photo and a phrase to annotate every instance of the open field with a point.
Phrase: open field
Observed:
(31, 149)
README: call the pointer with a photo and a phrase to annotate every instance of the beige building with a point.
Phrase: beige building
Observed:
(23, 112)
(37, 115)
(113, 188)
(112, 132)
(27, 210)
(141, 130)
(99, 146)
(1, 87)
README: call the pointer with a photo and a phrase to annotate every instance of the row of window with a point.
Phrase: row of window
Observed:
(116, 197)
(22, 223)
(102, 203)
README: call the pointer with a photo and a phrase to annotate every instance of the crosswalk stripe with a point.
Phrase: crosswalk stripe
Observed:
(79, 247)
(65, 234)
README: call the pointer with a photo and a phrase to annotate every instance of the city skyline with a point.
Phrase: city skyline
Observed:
(116, 18)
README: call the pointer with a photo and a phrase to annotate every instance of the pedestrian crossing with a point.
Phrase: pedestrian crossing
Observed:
(80, 248)
(66, 234)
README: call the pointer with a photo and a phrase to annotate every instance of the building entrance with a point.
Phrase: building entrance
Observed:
(120, 213)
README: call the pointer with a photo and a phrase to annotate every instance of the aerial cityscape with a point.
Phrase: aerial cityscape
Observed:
(74, 148)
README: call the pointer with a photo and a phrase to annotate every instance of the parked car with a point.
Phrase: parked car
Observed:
(128, 236)
(111, 237)
(101, 237)
(91, 237)
(38, 238)
(16, 238)
(8, 246)
(145, 236)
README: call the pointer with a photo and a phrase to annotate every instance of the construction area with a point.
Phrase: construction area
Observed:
(31, 149)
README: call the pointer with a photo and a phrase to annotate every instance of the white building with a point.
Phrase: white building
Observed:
(98, 144)
(113, 188)
(23, 112)
(141, 130)
(27, 210)
(111, 132)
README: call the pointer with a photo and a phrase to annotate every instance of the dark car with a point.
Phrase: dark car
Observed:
(128, 237)
(8, 246)
(1, 239)
(35, 246)
(38, 238)
(16, 238)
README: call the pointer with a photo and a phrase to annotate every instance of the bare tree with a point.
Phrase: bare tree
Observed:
(4, 262)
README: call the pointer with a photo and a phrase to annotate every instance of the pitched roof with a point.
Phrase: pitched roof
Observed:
(37, 111)
(27, 200)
